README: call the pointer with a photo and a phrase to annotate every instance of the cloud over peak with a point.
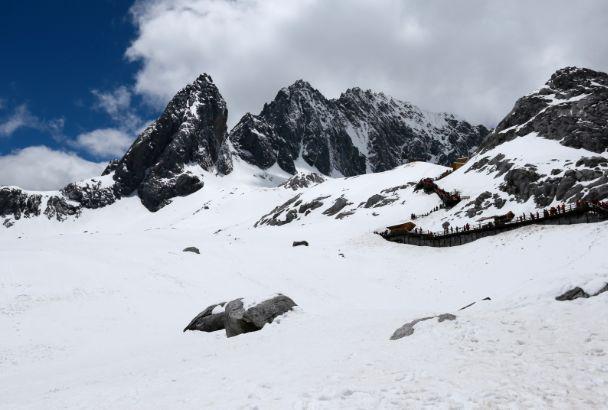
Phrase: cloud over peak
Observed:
(473, 57)
(41, 168)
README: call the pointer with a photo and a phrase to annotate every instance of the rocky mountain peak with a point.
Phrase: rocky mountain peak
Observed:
(572, 108)
(361, 131)
(300, 93)
(191, 131)
(569, 78)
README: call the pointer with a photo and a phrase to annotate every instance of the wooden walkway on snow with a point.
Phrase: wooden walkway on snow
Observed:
(587, 213)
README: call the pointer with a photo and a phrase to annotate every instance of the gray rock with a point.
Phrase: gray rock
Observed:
(572, 294)
(338, 205)
(302, 180)
(578, 292)
(192, 249)
(575, 122)
(592, 162)
(89, 194)
(445, 316)
(301, 120)
(207, 321)
(300, 243)
(273, 218)
(408, 328)
(237, 320)
(312, 205)
(191, 130)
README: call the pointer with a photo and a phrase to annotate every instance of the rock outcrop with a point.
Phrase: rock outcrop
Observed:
(236, 318)
(408, 328)
(571, 108)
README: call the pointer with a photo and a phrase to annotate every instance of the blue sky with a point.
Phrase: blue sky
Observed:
(79, 79)
(60, 58)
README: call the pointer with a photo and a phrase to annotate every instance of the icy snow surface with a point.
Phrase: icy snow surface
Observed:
(92, 309)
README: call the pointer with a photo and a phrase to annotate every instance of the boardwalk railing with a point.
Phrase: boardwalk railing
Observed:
(585, 213)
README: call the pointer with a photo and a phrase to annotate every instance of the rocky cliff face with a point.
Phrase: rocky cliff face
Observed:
(571, 108)
(191, 131)
(359, 132)
(570, 114)
(158, 166)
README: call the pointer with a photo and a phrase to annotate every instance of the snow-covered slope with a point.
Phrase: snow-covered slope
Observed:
(93, 308)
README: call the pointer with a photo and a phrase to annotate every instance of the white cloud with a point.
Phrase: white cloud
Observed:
(41, 168)
(20, 118)
(472, 57)
(117, 104)
(113, 102)
(111, 142)
(23, 118)
(104, 143)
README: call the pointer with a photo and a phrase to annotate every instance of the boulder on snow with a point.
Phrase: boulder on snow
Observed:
(572, 294)
(192, 249)
(578, 292)
(209, 320)
(241, 319)
(408, 328)
(236, 318)
(300, 243)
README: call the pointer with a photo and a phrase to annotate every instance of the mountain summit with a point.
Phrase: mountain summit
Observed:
(360, 132)
(191, 131)
(565, 122)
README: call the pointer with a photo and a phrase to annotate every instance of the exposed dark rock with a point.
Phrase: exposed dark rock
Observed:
(344, 214)
(300, 243)
(479, 204)
(302, 180)
(90, 194)
(592, 162)
(578, 292)
(255, 141)
(338, 205)
(312, 205)
(111, 167)
(573, 294)
(207, 321)
(602, 290)
(467, 306)
(191, 130)
(192, 249)
(273, 218)
(17, 203)
(572, 108)
(397, 188)
(408, 328)
(377, 201)
(328, 134)
(238, 320)
(59, 208)
(445, 316)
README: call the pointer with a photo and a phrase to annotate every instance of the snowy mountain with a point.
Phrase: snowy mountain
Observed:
(92, 309)
(357, 133)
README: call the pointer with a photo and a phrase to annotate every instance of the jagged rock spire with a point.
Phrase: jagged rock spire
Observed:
(191, 130)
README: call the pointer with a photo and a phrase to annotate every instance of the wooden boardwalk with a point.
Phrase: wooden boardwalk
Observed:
(586, 213)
